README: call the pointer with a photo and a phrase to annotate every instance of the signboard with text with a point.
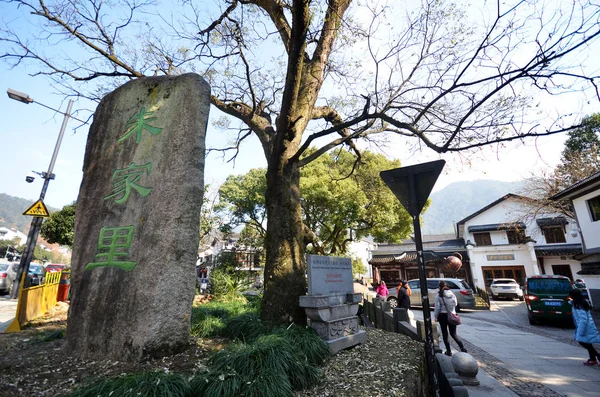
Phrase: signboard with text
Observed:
(329, 275)
(506, 257)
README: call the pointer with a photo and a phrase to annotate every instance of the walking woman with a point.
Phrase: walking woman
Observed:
(586, 332)
(445, 302)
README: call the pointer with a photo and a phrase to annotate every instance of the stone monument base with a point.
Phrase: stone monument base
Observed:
(333, 317)
(338, 344)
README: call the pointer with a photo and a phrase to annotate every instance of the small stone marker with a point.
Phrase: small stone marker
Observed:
(331, 304)
(136, 227)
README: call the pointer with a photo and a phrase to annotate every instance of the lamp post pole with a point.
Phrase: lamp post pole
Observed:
(36, 223)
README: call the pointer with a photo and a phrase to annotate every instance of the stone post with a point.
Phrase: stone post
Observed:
(136, 227)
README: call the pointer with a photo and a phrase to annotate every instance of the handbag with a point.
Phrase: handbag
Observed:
(452, 318)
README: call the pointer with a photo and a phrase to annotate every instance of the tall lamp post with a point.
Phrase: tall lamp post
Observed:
(36, 223)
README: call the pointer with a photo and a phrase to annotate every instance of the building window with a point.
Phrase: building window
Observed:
(482, 239)
(554, 234)
(594, 206)
(515, 236)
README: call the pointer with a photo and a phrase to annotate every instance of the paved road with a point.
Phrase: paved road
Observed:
(8, 308)
(530, 361)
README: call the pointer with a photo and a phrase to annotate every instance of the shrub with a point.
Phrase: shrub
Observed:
(210, 326)
(246, 327)
(306, 340)
(158, 384)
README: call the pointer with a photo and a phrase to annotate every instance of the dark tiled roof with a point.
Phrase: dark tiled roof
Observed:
(555, 221)
(558, 250)
(411, 256)
(589, 268)
(432, 245)
(376, 259)
(497, 226)
(582, 184)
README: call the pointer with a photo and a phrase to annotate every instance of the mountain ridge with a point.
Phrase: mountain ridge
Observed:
(461, 199)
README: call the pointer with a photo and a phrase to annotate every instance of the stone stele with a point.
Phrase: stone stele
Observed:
(136, 226)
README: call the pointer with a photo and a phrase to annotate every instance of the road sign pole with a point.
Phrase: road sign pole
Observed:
(429, 349)
(412, 186)
(36, 223)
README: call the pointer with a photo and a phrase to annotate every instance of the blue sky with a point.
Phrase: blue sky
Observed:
(28, 135)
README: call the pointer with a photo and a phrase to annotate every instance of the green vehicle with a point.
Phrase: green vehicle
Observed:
(547, 298)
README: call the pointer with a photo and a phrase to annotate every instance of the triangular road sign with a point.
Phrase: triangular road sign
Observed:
(37, 209)
(413, 184)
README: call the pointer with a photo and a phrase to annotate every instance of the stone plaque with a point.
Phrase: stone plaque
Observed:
(136, 227)
(329, 275)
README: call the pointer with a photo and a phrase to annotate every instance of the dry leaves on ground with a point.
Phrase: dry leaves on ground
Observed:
(32, 363)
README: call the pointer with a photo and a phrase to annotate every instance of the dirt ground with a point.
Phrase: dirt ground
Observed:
(32, 363)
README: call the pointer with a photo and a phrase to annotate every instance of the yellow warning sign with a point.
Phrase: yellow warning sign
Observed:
(37, 209)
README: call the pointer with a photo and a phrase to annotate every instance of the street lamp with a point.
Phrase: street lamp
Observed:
(36, 223)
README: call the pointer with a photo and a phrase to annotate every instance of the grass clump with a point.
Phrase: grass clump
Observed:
(245, 327)
(157, 384)
(210, 319)
(273, 365)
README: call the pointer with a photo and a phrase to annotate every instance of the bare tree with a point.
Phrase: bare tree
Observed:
(300, 73)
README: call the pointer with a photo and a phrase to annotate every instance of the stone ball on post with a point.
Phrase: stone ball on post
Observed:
(453, 262)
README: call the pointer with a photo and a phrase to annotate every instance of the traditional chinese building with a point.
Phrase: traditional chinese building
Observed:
(394, 262)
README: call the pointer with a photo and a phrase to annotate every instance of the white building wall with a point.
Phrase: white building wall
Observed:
(7, 234)
(589, 229)
(575, 265)
(510, 211)
(362, 249)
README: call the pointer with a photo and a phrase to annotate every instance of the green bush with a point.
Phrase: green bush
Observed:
(246, 327)
(209, 327)
(306, 340)
(210, 319)
(156, 384)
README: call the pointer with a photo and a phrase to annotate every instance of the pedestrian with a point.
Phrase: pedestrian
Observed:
(403, 296)
(586, 332)
(445, 302)
(382, 290)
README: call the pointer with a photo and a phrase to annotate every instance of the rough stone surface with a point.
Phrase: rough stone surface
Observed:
(147, 134)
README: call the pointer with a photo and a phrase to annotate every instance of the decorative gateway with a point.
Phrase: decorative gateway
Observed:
(453, 262)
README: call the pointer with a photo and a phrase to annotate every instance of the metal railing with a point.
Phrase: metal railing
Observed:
(484, 295)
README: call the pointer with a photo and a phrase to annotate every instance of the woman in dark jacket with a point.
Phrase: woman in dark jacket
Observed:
(403, 297)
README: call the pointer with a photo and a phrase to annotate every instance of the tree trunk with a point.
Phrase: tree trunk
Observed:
(285, 268)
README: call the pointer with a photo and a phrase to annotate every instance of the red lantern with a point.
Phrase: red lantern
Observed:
(453, 262)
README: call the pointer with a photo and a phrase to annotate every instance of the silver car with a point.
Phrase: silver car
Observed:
(8, 273)
(464, 293)
(506, 288)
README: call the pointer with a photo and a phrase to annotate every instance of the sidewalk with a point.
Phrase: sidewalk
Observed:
(529, 364)
(8, 309)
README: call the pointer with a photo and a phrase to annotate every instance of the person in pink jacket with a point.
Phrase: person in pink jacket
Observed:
(382, 290)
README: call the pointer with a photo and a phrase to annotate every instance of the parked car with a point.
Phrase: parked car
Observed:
(55, 267)
(506, 288)
(8, 273)
(547, 298)
(464, 293)
(36, 274)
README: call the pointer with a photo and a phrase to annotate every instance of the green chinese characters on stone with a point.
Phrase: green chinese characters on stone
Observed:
(125, 179)
(113, 246)
(137, 124)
